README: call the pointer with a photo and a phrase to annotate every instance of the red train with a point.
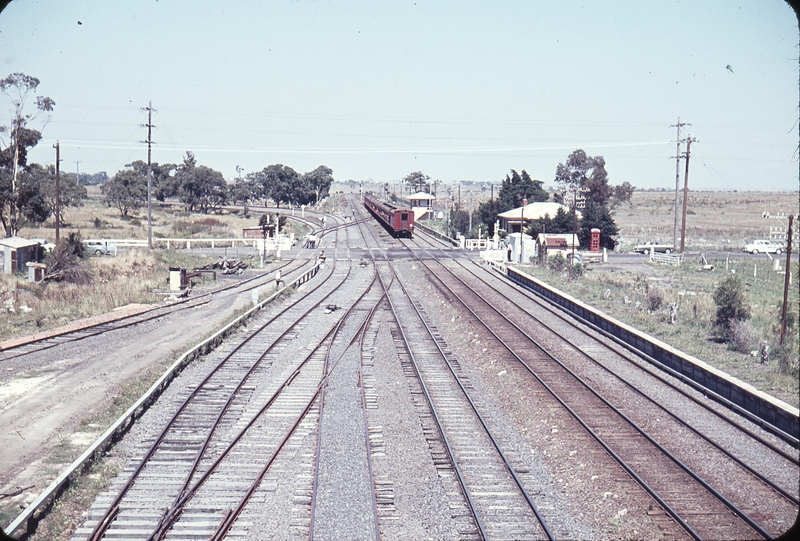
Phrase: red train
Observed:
(398, 220)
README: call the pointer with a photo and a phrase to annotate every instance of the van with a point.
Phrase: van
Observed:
(100, 246)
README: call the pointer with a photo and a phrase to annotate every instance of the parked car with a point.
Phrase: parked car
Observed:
(655, 246)
(99, 246)
(763, 247)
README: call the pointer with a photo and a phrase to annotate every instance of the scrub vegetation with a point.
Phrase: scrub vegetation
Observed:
(643, 294)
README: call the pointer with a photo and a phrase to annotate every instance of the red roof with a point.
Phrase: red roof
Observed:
(556, 243)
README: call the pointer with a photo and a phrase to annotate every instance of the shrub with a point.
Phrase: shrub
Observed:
(742, 336)
(786, 355)
(557, 262)
(655, 298)
(63, 263)
(731, 303)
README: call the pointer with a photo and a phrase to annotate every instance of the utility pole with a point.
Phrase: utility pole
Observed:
(689, 141)
(787, 278)
(57, 146)
(677, 157)
(149, 142)
(78, 172)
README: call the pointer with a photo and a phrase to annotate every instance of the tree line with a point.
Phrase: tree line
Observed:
(581, 175)
(202, 189)
(28, 190)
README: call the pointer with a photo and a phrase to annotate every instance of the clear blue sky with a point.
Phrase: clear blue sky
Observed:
(459, 90)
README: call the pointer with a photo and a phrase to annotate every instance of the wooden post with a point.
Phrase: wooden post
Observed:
(787, 277)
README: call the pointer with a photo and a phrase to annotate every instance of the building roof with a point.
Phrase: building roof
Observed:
(557, 240)
(534, 211)
(421, 196)
(17, 242)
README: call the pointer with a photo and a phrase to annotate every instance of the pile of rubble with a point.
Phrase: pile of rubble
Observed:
(227, 266)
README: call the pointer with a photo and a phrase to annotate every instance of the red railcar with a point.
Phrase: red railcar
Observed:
(399, 221)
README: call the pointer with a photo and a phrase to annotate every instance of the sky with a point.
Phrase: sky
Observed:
(462, 90)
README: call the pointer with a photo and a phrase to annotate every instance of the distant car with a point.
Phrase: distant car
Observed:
(99, 246)
(762, 246)
(655, 246)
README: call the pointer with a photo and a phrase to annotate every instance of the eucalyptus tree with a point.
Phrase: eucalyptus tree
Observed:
(16, 139)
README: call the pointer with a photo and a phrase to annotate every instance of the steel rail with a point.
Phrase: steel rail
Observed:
(112, 325)
(791, 439)
(434, 413)
(46, 498)
(185, 494)
(450, 453)
(323, 385)
(233, 513)
(641, 393)
(177, 509)
(98, 533)
(496, 444)
(368, 322)
(742, 515)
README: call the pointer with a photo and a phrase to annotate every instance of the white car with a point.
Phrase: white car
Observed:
(763, 247)
(655, 247)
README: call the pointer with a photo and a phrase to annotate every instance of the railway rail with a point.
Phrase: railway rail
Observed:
(617, 433)
(262, 444)
(233, 383)
(73, 335)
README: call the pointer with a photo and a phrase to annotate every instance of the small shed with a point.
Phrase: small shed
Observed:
(17, 252)
(554, 243)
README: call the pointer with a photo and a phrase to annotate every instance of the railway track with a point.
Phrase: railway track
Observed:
(199, 439)
(288, 436)
(152, 314)
(495, 496)
(702, 510)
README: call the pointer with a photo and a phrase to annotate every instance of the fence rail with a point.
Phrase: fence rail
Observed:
(431, 231)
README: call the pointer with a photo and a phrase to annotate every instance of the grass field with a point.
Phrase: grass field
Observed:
(715, 221)
(625, 294)
(129, 278)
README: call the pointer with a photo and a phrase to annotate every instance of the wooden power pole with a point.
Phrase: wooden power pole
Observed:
(787, 277)
(57, 146)
(689, 141)
(677, 157)
(149, 142)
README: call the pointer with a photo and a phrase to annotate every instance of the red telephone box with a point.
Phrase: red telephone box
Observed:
(594, 244)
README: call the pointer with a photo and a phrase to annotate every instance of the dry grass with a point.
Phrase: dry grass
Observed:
(715, 220)
(626, 294)
(117, 281)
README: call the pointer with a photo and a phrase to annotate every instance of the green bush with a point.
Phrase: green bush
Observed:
(731, 303)
(557, 262)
